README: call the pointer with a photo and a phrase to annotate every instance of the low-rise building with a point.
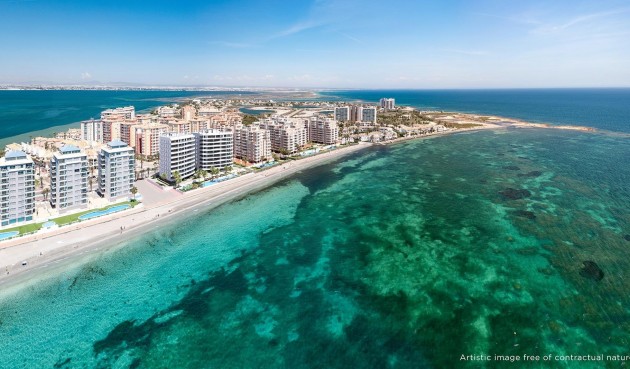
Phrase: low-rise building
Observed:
(116, 172)
(17, 188)
(68, 179)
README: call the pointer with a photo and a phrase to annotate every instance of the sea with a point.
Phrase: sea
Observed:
(29, 113)
(468, 250)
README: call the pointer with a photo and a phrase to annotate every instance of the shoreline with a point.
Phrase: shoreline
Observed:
(50, 251)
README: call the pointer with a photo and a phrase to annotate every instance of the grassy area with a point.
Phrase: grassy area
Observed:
(399, 117)
(71, 218)
(24, 229)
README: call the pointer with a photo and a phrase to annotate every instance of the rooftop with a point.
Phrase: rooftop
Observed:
(15, 154)
(69, 149)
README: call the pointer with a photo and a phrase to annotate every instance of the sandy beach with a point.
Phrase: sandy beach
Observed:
(44, 252)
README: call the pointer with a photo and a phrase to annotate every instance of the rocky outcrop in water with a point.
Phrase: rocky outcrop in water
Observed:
(627, 237)
(532, 174)
(525, 214)
(511, 167)
(514, 193)
(591, 270)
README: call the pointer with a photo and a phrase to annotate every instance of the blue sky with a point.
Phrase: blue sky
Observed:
(321, 43)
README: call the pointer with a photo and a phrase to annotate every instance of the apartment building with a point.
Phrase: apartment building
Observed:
(252, 143)
(147, 138)
(68, 179)
(92, 130)
(124, 113)
(323, 130)
(342, 113)
(388, 103)
(215, 149)
(177, 154)
(17, 188)
(128, 132)
(116, 172)
(286, 136)
(189, 112)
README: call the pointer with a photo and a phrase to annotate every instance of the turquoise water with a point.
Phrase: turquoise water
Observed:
(5, 235)
(26, 113)
(100, 213)
(607, 109)
(256, 111)
(401, 256)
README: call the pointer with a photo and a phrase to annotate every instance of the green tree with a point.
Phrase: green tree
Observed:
(177, 177)
(228, 169)
(214, 171)
(134, 191)
(45, 192)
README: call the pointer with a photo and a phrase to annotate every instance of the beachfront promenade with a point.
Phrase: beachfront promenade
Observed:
(58, 247)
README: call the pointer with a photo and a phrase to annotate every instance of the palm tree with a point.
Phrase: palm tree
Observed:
(214, 171)
(45, 192)
(134, 191)
(228, 169)
(177, 177)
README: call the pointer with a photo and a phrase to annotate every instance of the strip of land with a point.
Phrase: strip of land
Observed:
(21, 258)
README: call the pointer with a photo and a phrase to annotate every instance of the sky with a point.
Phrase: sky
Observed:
(318, 43)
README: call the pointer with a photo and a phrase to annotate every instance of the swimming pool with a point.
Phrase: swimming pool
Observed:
(100, 213)
(6, 235)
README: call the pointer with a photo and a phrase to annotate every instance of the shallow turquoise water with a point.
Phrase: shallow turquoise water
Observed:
(405, 256)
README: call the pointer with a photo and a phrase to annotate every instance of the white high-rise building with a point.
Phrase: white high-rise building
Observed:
(92, 130)
(17, 188)
(215, 149)
(116, 172)
(388, 103)
(178, 153)
(342, 113)
(252, 143)
(68, 179)
(323, 130)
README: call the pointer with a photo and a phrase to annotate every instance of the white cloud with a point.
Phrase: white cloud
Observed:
(86, 76)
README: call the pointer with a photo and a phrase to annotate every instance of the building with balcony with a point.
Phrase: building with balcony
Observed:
(17, 188)
(388, 103)
(178, 153)
(147, 138)
(342, 113)
(286, 136)
(92, 130)
(215, 149)
(323, 130)
(68, 179)
(116, 172)
(252, 143)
